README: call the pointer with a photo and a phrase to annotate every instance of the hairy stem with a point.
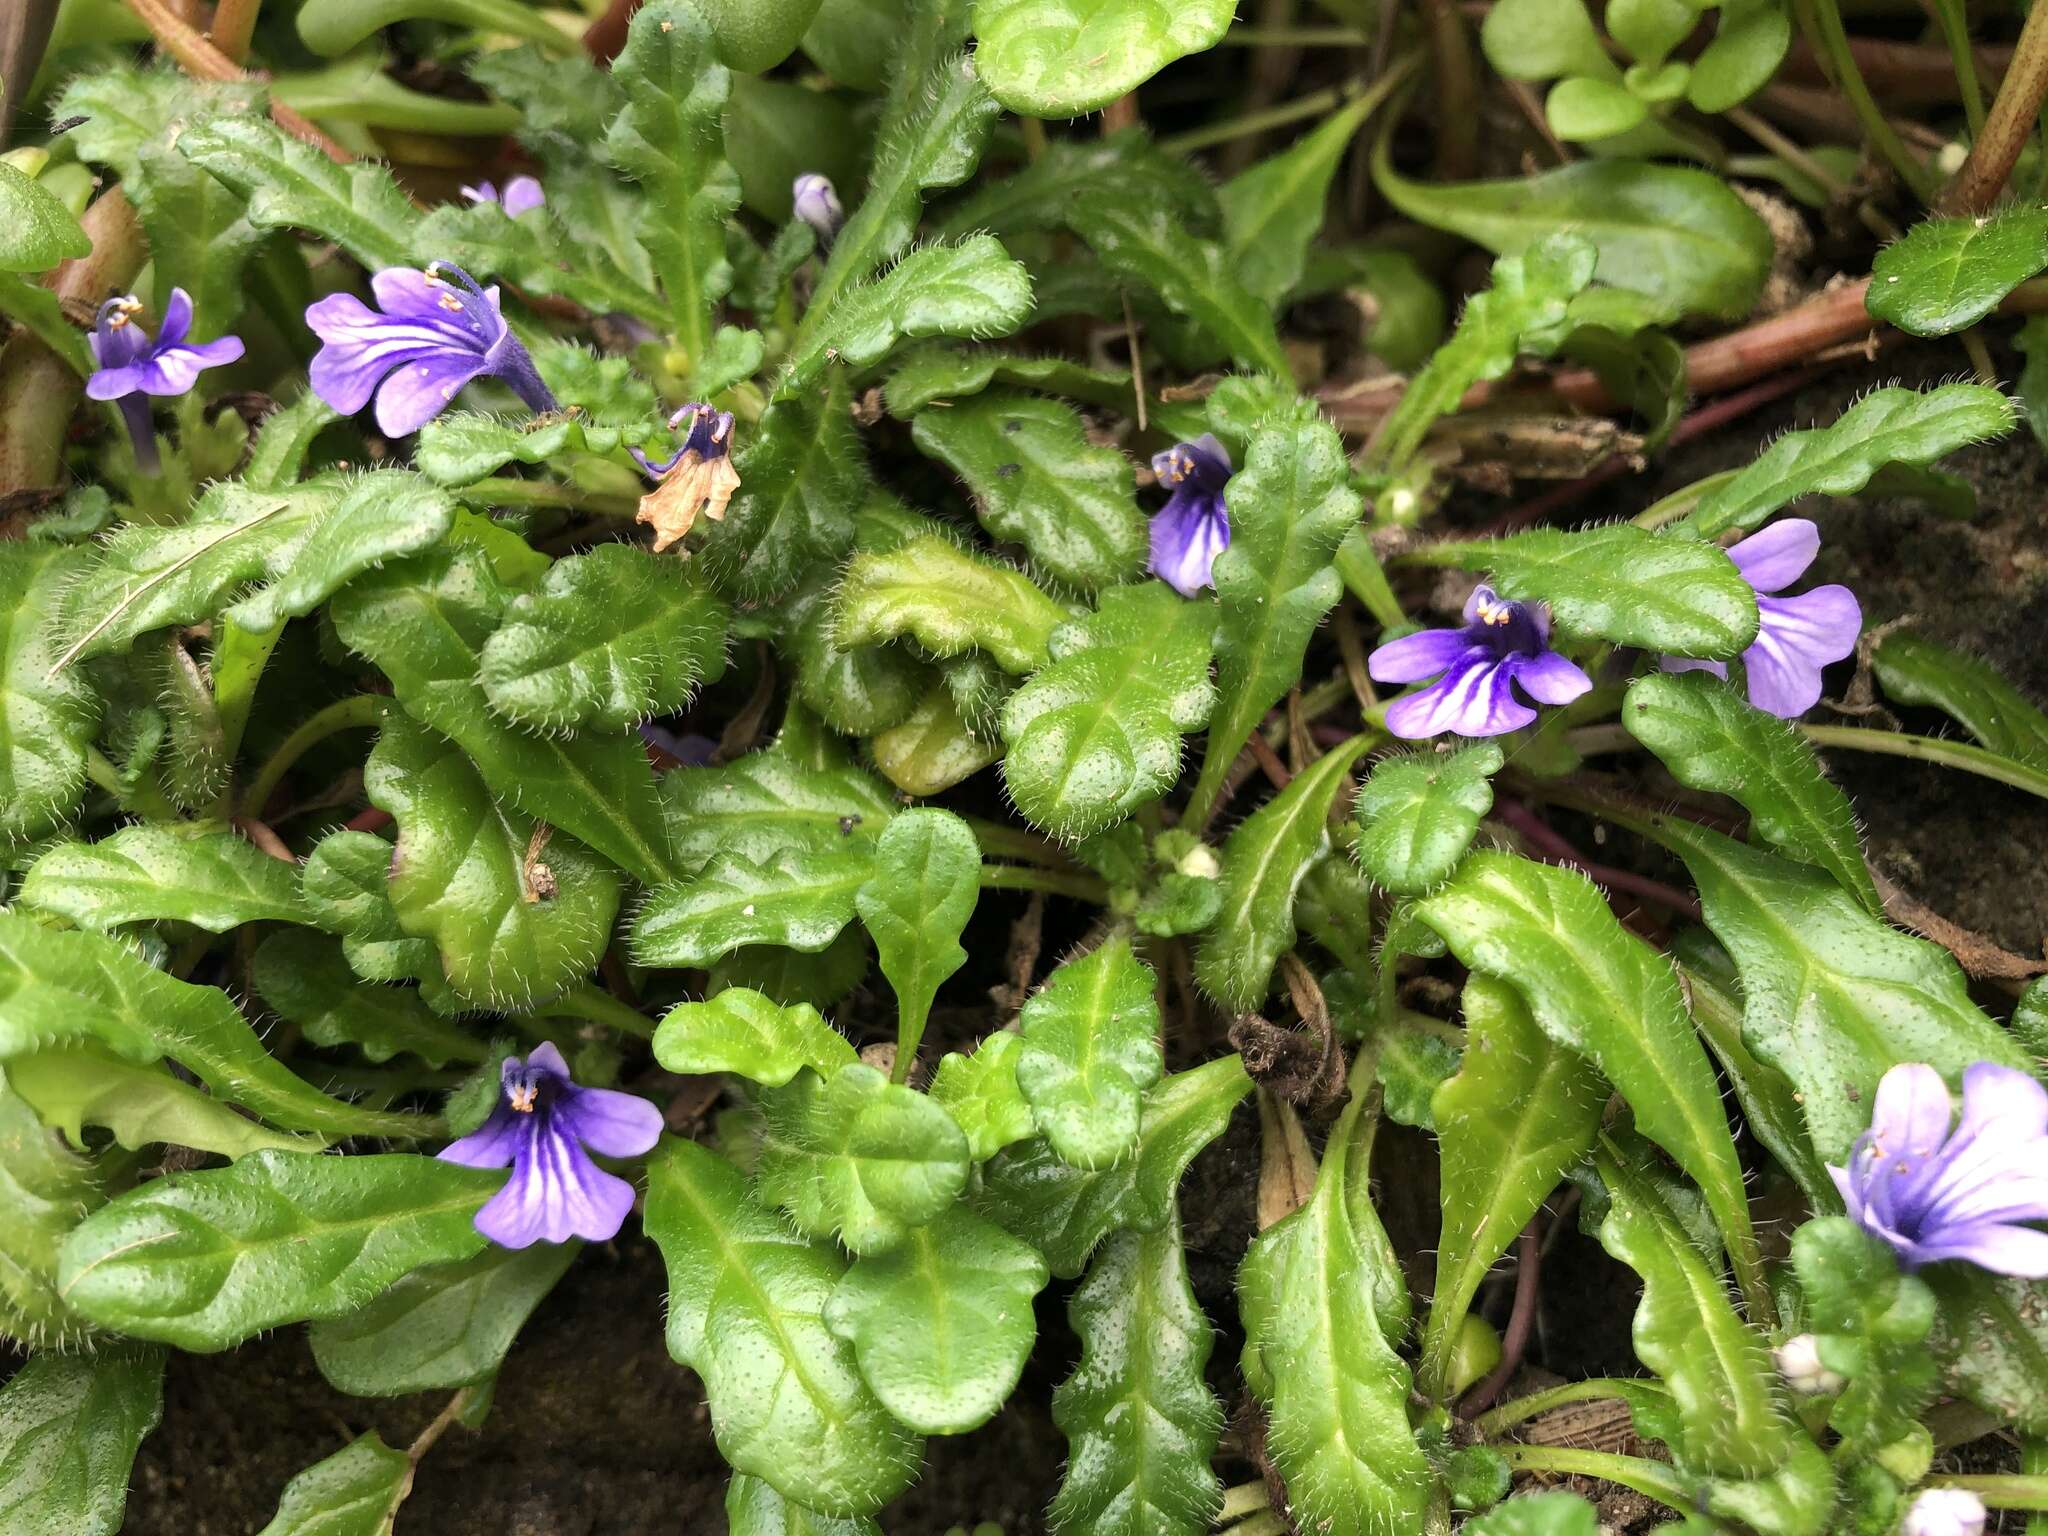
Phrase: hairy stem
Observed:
(1597, 1389)
(598, 1006)
(1015, 877)
(234, 23)
(1929, 749)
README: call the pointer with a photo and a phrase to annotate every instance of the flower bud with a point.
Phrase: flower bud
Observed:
(1944, 1512)
(1201, 862)
(1799, 1362)
(817, 204)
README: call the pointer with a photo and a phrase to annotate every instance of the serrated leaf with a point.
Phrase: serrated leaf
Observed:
(1290, 507)
(802, 790)
(612, 637)
(1597, 989)
(125, 106)
(799, 898)
(292, 185)
(515, 923)
(802, 479)
(1037, 481)
(1625, 584)
(740, 1031)
(210, 877)
(1264, 863)
(304, 976)
(915, 904)
(1272, 211)
(446, 1326)
(1417, 814)
(424, 622)
(1832, 996)
(1064, 1211)
(949, 601)
(1096, 732)
(1091, 1049)
(754, 1508)
(206, 1260)
(63, 988)
(1713, 739)
(1916, 670)
(200, 237)
(1143, 242)
(857, 1157)
(980, 1092)
(746, 1303)
(1947, 274)
(941, 1326)
(47, 715)
(938, 371)
(73, 1086)
(46, 1189)
(69, 1429)
(1315, 1352)
(1892, 425)
(1522, 1110)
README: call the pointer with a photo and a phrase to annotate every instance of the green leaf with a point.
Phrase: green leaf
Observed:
(802, 479)
(1538, 1514)
(801, 791)
(612, 637)
(73, 1086)
(200, 237)
(1580, 109)
(1144, 242)
(1711, 738)
(1750, 41)
(1893, 425)
(671, 139)
(354, 1492)
(1417, 814)
(45, 1191)
(446, 1326)
(1626, 585)
(206, 1260)
(799, 898)
(1597, 989)
(1141, 1423)
(516, 921)
(941, 1326)
(746, 1312)
(1833, 997)
(1687, 1332)
(69, 1429)
(208, 876)
(1947, 274)
(292, 185)
(47, 715)
(39, 230)
(1272, 211)
(1095, 733)
(754, 1508)
(1544, 40)
(742, 1032)
(915, 904)
(424, 622)
(543, 253)
(346, 885)
(932, 750)
(1063, 58)
(1040, 195)
(1522, 1110)
(1264, 863)
(857, 1157)
(459, 448)
(939, 371)
(37, 310)
(62, 988)
(1992, 1340)
(857, 691)
(1290, 507)
(1871, 1323)
(980, 1092)
(1091, 1049)
(853, 40)
(1064, 1211)
(1673, 233)
(1916, 670)
(949, 601)
(1336, 1393)
(1039, 482)
(305, 977)
(125, 106)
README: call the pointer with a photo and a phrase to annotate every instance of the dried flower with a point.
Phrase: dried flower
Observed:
(133, 366)
(1193, 528)
(522, 194)
(817, 204)
(697, 478)
(1500, 645)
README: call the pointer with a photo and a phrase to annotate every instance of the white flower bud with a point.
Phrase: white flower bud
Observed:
(1799, 1362)
(1944, 1512)
(1201, 862)
(817, 204)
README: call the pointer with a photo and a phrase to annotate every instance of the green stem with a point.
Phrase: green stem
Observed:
(1008, 842)
(1313, 105)
(1682, 500)
(598, 1006)
(357, 712)
(1652, 1479)
(144, 797)
(1015, 877)
(1821, 21)
(1999, 1490)
(1930, 749)
(1596, 1389)
(1954, 21)
(508, 491)
(2008, 125)
(1367, 582)
(239, 656)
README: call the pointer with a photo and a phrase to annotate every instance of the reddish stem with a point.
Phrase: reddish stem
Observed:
(1521, 1324)
(372, 820)
(1551, 848)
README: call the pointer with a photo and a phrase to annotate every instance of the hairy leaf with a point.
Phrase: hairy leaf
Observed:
(1916, 670)
(799, 898)
(47, 715)
(73, 1086)
(1872, 1324)
(742, 1032)
(1064, 58)
(981, 1093)
(1947, 274)
(915, 905)
(292, 185)
(941, 371)
(308, 980)
(1091, 1049)
(46, 1189)
(949, 601)
(1417, 814)
(802, 790)
(459, 448)
(69, 1429)
(1272, 211)
(354, 1492)
(210, 877)
(754, 1508)
(802, 479)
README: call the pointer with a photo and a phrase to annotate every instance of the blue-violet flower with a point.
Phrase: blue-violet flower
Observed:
(1932, 1194)
(816, 202)
(1797, 636)
(133, 366)
(437, 330)
(1500, 646)
(545, 1127)
(1944, 1512)
(1193, 528)
(697, 478)
(522, 194)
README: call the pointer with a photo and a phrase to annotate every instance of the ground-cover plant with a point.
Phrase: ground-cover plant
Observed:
(686, 624)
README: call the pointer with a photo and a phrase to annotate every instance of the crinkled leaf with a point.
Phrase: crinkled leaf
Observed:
(200, 235)
(1417, 814)
(933, 748)
(938, 371)
(354, 1492)
(1916, 670)
(46, 1189)
(802, 479)
(1091, 1049)
(800, 791)
(915, 904)
(305, 977)
(47, 716)
(208, 876)
(1947, 274)
(540, 253)
(292, 185)
(69, 1429)
(949, 601)
(740, 1031)
(799, 898)
(980, 1092)
(754, 1508)
(459, 448)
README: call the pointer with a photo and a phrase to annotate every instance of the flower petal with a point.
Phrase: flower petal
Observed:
(408, 297)
(521, 194)
(113, 383)
(1422, 655)
(1775, 557)
(1188, 533)
(612, 1124)
(2004, 1250)
(1687, 664)
(177, 320)
(493, 1144)
(1798, 636)
(1550, 678)
(174, 370)
(1472, 699)
(555, 1193)
(547, 1057)
(416, 393)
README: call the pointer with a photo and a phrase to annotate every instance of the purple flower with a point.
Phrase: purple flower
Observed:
(541, 1128)
(1193, 528)
(1933, 1194)
(697, 478)
(817, 204)
(132, 366)
(437, 331)
(1944, 1512)
(522, 193)
(1797, 636)
(1501, 643)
